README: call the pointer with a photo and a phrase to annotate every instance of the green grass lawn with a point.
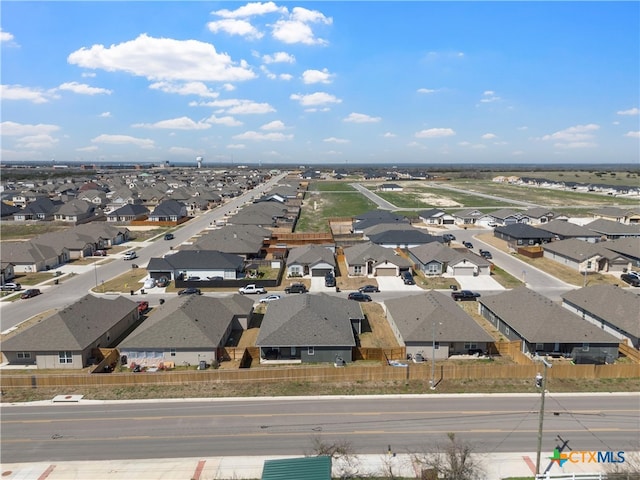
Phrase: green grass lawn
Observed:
(321, 206)
(331, 186)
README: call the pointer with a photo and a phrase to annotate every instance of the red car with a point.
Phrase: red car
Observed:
(32, 292)
(143, 306)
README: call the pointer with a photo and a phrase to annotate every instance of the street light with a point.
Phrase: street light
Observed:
(542, 382)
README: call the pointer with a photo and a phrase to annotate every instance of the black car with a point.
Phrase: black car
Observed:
(465, 295)
(368, 289)
(190, 291)
(32, 292)
(630, 279)
(448, 237)
(468, 244)
(359, 297)
(296, 288)
(169, 236)
(407, 278)
(329, 280)
(486, 254)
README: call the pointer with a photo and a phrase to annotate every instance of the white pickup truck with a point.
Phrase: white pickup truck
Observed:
(252, 288)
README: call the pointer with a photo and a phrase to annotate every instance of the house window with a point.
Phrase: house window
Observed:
(436, 345)
(23, 355)
(507, 331)
(311, 351)
(585, 347)
(539, 347)
(357, 269)
(172, 352)
(65, 357)
(469, 346)
(433, 269)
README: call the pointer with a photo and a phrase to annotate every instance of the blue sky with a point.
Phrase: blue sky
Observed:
(321, 82)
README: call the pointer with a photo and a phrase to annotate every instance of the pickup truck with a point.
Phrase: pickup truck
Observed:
(463, 295)
(252, 288)
(296, 288)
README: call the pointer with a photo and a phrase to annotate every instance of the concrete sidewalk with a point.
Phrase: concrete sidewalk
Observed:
(496, 467)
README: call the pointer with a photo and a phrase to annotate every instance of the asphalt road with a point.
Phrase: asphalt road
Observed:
(261, 426)
(72, 288)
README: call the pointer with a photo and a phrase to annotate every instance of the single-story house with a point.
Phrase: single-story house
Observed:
(310, 328)
(398, 236)
(507, 216)
(420, 320)
(375, 217)
(128, 213)
(627, 215)
(314, 260)
(205, 264)
(546, 328)
(564, 230)
(76, 211)
(186, 330)
(389, 187)
(586, 257)
(540, 215)
(7, 272)
(365, 259)
(67, 338)
(168, 211)
(613, 309)
(437, 259)
(472, 216)
(41, 209)
(522, 235)
(610, 230)
(32, 256)
(249, 241)
(435, 216)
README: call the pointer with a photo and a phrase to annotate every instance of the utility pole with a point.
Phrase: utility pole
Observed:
(543, 385)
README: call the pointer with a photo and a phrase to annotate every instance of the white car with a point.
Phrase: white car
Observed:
(130, 255)
(270, 298)
(150, 283)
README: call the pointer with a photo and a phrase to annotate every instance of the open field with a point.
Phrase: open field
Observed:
(318, 207)
(331, 186)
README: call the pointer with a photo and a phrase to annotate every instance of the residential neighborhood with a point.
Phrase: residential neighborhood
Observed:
(259, 243)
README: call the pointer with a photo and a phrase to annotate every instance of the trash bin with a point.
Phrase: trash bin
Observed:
(161, 301)
(132, 293)
(55, 282)
(142, 291)
(202, 365)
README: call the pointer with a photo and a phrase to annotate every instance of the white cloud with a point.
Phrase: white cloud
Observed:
(279, 57)
(389, 135)
(579, 136)
(91, 148)
(315, 99)
(285, 76)
(296, 28)
(105, 115)
(316, 76)
(275, 125)
(236, 146)
(181, 123)
(631, 111)
(361, 118)
(18, 92)
(232, 26)
(273, 137)
(247, 107)
(228, 87)
(227, 121)
(163, 59)
(188, 88)
(123, 140)
(489, 96)
(13, 129)
(635, 134)
(435, 132)
(489, 136)
(335, 140)
(427, 90)
(5, 36)
(36, 142)
(83, 89)
(88, 74)
(251, 10)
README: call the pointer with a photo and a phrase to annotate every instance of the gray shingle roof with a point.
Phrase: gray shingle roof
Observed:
(539, 320)
(359, 254)
(74, 327)
(239, 239)
(415, 315)
(618, 306)
(309, 320)
(199, 259)
(567, 229)
(609, 227)
(310, 255)
(193, 321)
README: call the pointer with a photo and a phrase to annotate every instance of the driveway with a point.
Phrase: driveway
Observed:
(394, 284)
(481, 282)
(317, 285)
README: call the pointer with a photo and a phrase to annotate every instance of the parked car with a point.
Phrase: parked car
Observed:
(407, 278)
(463, 295)
(143, 306)
(130, 255)
(468, 244)
(270, 298)
(162, 282)
(448, 237)
(329, 280)
(359, 297)
(32, 292)
(630, 279)
(11, 287)
(190, 291)
(100, 253)
(369, 289)
(486, 254)
(149, 283)
(250, 289)
(296, 288)
(169, 236)
(634, 273)
(193, 278)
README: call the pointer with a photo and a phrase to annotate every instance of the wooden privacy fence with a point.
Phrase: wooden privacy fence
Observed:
(629, 352)
(513, 350)
(326, 374)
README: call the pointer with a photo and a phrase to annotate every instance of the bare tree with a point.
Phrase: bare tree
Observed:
(451, 460)
(341, 453)
(629, 469)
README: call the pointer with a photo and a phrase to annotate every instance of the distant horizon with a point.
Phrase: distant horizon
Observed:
(351, 83)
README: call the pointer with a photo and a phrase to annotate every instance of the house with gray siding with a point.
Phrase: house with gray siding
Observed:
(67, 339)
(186, 330)
(564, 230)
(546, 328)
(313, 260)
(587, 257)
(309, 329)
(613, 309)
(437, 259)
(197, 263)
(249, 241)
(418, 321)
(365, 259)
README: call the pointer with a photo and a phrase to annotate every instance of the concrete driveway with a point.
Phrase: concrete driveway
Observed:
(317, 285)
(481, 282)
(394, 284)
